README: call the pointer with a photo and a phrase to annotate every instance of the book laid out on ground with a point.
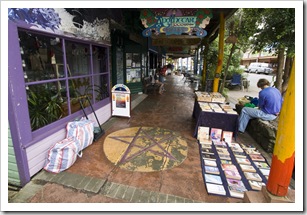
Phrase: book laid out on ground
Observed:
(212, 170)
(210, 162)
(265, 172)
(243, 161)
(235, 182)
(256, 157)
(215, 189)
(207, 151)
(252, 151)
(239, 154)
(208, 156)
(215, 179)
(206, 145)
(237, 191)
(224, 157)
(247, 168)
(235, 147)
(229, 167)
(262, 165)
(203, 133)
(247, 146)
(222, 151)
(252, 176)
(219, 143)
(256, 185)
(216, 134)
(227, 136)
(232, 174)
(226, 161)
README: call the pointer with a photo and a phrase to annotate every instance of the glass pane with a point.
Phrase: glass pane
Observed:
(79, 88)
(40, 56)
(47, 103)
(101, 87)
(78, 58)
(100, 60)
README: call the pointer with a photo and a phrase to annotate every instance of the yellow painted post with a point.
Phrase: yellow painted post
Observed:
(205, 52)
(221, 54)
(284, 149)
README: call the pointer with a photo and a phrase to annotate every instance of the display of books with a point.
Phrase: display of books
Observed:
(203, 96)
(216, 134)
(252, 176)
(227, 136)
(203, 133)
(216, 179)
(239, 154)
(229, 167)
(217, 97)
(209, 162)
(205, 141)
(265, 172)
(207, 151)
(252, 151)
(224, 157)
(212, 170)
(219, 143)
(204, 106)
(256, 157)
(222, 151)
(208, 156)
(226, 162)
(262, 165)
(256, 185)
(236, 191)
(215, 189)
(243, 161)
(235, 182)
(232, 174)
(235, 147)
(247, 146)
(206, 145)
(247, 168)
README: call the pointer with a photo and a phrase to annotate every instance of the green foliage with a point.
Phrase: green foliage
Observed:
(44, 107)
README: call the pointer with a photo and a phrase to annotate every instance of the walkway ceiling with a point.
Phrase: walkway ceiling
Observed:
(174, 45)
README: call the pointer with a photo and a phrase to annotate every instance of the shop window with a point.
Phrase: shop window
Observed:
(57, 76)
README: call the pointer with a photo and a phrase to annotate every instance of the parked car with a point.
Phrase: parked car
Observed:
(260, 68)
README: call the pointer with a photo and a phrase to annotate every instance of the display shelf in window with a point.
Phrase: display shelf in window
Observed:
(133, 75)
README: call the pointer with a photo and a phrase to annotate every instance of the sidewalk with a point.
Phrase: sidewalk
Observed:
(94, 179)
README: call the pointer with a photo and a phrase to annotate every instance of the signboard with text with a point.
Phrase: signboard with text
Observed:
(175, 21)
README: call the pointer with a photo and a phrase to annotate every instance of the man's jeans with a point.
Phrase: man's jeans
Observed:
(248, 113)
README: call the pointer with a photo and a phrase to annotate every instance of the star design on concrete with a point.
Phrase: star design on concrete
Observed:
(145, 148)
(141, 134)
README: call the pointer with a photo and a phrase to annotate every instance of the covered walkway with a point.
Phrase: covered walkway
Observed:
(96, 179)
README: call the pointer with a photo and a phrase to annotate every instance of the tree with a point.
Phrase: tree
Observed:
(272, 29)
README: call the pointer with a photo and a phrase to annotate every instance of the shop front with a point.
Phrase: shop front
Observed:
(52, 65)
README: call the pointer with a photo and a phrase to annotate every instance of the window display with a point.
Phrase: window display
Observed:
(133, 65)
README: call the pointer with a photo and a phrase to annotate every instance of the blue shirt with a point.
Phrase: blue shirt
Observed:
(270, 100)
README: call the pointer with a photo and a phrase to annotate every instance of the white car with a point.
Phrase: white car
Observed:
(260, 68)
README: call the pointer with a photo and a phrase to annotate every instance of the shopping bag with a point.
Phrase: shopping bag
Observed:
(62, 155)
(82, 130)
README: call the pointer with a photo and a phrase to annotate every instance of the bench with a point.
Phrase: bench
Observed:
(262, 131)
(148, 86)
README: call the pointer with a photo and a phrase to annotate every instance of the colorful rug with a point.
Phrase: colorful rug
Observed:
(145, 149)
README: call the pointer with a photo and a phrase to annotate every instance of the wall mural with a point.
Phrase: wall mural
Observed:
(175, 21)
(58, 19)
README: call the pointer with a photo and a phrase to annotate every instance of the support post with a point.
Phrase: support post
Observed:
(284, 149)
(221, 54)
(205, 52)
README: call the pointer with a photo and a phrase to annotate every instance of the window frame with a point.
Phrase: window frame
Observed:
(59, 124)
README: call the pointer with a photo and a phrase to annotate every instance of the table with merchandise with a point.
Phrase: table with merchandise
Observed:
(211, 111)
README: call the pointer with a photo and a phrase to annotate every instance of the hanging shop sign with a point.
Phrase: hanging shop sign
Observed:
(121, 104)
(175, 21)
